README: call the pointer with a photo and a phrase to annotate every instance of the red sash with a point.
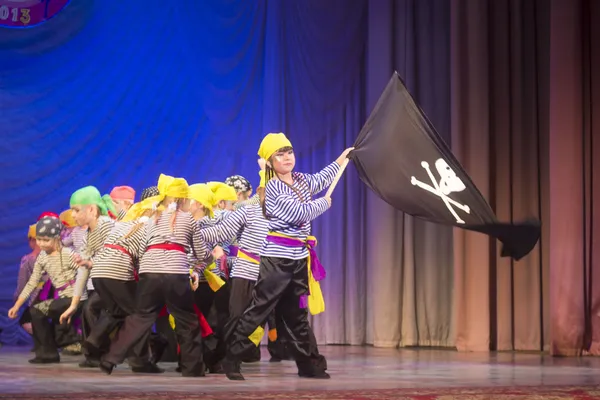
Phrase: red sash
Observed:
(167, 246)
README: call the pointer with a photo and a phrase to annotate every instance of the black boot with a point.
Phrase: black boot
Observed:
(106, 367)
(149, 368)
(308, 369)
(39, 360)
(232, 370)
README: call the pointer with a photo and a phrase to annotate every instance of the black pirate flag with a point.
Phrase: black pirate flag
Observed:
(400, 156)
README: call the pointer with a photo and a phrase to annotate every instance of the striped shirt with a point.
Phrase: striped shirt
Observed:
(121, 214)
(290, 214)
(62, 271)
(93, 242)
(251, 225)
(113, 263)
(199, 265)
(251, 201)
(185, 233)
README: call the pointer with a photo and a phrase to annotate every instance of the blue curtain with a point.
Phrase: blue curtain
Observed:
(114, 93)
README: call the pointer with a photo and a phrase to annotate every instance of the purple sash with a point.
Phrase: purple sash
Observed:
(234, 252)
(45, 292)
(316, 267)
(61, 288)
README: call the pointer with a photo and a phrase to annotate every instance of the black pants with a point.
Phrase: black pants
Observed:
(45, 325)
(280, 285)
(91, 311)
(215, 308)
(153, 292)
(240, 297)
(118, 301)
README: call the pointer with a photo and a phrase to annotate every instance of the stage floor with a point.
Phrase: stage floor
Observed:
(351, 367)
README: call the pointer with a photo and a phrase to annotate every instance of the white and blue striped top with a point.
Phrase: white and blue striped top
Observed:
(251, 226)
(199, 265)
(290, 214)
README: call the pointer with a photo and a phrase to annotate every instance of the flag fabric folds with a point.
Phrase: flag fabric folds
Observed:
(400, 156)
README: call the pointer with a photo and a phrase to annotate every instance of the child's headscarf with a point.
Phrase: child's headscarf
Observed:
(89, 195)
(222, 191)
(239, 183)
(269, 146)
(49, 227)
(31, 232)
(123, 193)
(167, 186)
(201, 193)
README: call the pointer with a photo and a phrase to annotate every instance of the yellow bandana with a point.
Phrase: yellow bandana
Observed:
(201, 193)
(222, 191)
(271, 143)
(67, 218)
(167, 186)
(31, 233)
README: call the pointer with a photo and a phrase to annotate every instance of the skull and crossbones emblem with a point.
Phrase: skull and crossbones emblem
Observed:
(447, 184)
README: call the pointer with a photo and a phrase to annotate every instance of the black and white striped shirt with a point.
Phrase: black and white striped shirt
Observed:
(62, 271)
(251, 201)
(93, 242)
(290, 214)
(250, 223)
(113, 263)
(185, 233)
(199, 265)
(121, 214)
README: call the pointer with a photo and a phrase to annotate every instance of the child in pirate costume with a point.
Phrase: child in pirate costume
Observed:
(211, 296)
(243, 188)
(113, 275)
(73, 235)
(59, 263)
(249, 224)
(123, 197)
(25, 271)
(164, 279)
(285, 274)
(89, 208)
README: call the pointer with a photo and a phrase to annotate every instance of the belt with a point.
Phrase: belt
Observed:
(120, 248)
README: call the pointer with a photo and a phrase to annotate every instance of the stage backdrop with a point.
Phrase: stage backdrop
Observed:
(113, 93)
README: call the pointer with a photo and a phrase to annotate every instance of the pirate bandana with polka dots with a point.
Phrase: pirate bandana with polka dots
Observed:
(48, 227)
(150, 192)
(239, 183)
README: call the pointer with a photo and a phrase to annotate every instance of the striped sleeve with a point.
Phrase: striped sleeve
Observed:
(198, 244)
(100, 237)
(137, 241)
(226, 228)
(280, 203)
(322, 179)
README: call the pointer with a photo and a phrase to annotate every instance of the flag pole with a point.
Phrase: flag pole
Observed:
(337, 177)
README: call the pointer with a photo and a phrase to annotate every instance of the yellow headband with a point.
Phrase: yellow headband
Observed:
(201, 193)
(271, 143)
(167, 186)
(262, 184)
(31, 233)
(222, 191)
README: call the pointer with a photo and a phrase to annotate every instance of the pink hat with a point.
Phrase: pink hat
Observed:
(123, 193)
